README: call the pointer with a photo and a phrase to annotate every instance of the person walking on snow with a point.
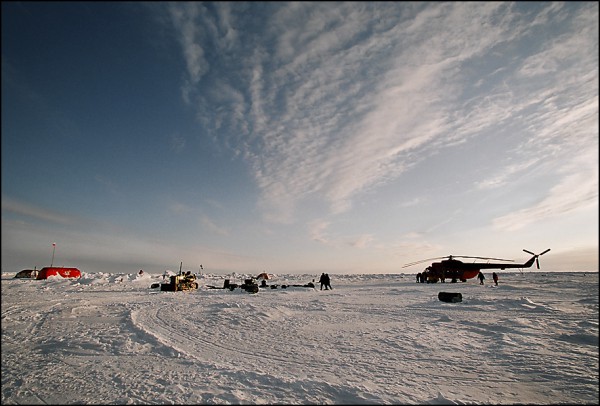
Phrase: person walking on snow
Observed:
(481, 277)
(495, 278)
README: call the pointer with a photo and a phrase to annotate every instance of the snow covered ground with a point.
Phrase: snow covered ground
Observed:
(373, 339)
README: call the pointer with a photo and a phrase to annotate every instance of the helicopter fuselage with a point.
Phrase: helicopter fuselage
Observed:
(457, 270)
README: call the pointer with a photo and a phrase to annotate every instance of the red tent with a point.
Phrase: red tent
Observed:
(263, 275)
(62, 271)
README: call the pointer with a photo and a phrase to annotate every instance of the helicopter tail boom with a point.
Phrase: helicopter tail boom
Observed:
(527, 264)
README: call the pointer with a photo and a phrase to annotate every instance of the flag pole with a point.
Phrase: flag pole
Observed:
(53, 249)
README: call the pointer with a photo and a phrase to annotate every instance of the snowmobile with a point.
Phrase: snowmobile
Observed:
(180, 282)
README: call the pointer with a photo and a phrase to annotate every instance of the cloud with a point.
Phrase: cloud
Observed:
(317, 231)
(346, 147)
(179, 208)
(37, 213)
(195, 213)
(184, 19)
(326, 102)
(577, 190)
(362, 241)
(414, 202)
(508, 171)
(210, 225)
(177, 142)
(108, 248)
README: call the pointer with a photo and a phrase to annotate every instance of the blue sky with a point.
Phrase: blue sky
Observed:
(298, 137)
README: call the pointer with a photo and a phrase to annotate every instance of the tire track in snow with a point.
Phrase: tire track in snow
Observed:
(202, 336)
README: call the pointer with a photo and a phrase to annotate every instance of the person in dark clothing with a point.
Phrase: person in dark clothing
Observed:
(322, 281)
(495, 278)
(327, 282)
(481, 277)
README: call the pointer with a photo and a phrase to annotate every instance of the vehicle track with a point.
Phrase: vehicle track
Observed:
(231, 337)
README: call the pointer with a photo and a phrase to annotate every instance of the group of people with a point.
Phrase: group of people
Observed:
(481, 277)
(423, 277)
(324, 280)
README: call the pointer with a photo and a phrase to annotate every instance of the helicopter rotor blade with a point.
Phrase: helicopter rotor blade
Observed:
(495, 259)
(423, 260)
(454, 256)
(411, 264)
(536, 256)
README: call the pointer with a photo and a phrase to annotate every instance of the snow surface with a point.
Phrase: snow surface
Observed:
(374, 339)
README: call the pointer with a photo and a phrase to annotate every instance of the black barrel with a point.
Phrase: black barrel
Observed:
(450, 297)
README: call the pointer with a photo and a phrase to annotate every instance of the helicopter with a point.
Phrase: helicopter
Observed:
(457, 270)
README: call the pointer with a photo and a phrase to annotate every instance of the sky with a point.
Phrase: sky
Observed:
(298, 137)
(110, 339)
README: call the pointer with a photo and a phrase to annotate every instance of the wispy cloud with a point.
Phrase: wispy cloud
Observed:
(574, 191)
(319, 232)
(429, 76)
(179, 208)
(360, 133)
(195, 213)
(177, 142)
(362, 241)
(508, 171)
(37, 212)
(413, 202)
(184, 19)
(212, 226)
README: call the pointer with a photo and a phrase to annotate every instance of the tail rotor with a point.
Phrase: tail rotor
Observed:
(537, 262)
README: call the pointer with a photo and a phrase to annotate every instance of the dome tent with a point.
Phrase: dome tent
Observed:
(48, 271)
(26, 273)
